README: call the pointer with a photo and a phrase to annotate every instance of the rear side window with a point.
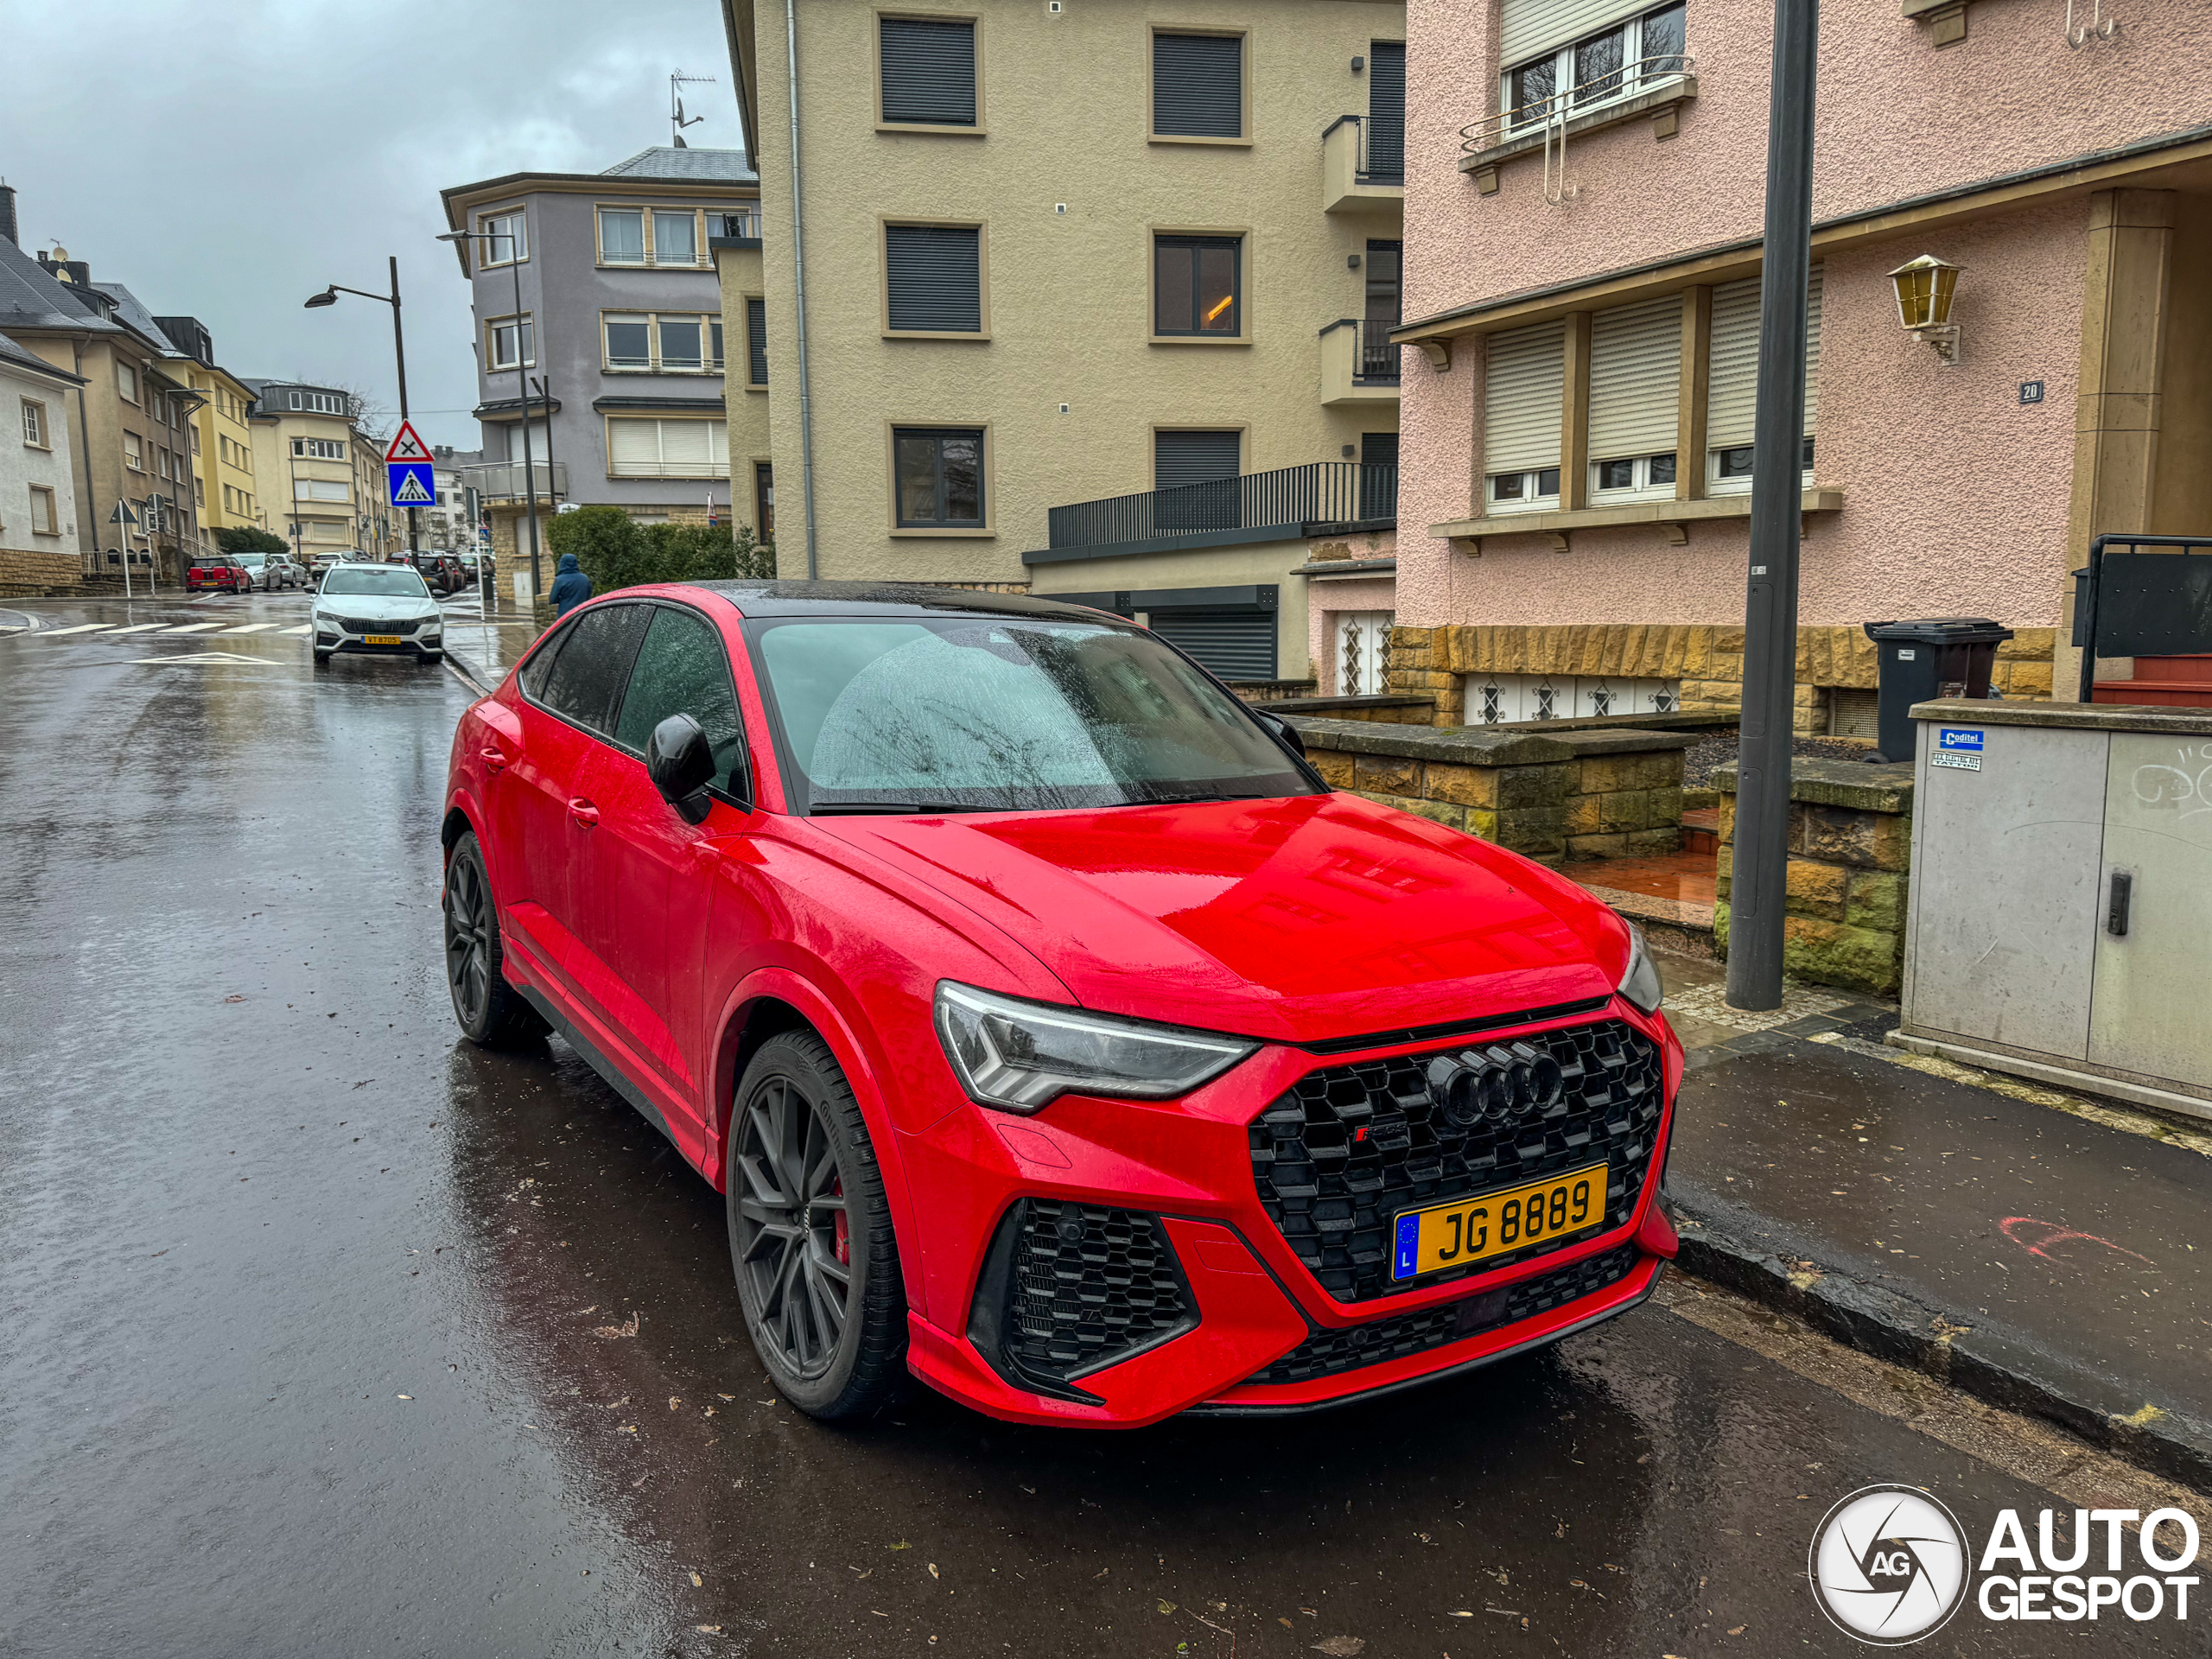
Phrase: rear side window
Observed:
(681, 670)
(585, 684)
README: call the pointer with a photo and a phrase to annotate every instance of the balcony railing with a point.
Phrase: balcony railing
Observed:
(1363, 170)
(1531, 119)
(1287, 500)
(504, 480)
(744, 225)
(1375, 357)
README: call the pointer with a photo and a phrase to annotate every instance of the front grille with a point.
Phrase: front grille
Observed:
(355, 624)
(1089, 1285)
(1326, 1353)
(1349, 1146)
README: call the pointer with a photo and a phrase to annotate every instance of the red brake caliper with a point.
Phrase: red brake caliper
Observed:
(844, 1226)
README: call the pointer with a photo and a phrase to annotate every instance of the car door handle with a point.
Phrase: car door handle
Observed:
(583, 811)
(492, 758)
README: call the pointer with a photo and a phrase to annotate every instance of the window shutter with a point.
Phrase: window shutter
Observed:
(686, 448)
(1531, 28)
(634, 448)
(1237, 644)
(1386, 110)
(929, 71)
(756, 341)
(1180, 458)
(1197, 86)
(1636, 372)
(1733, 395)
(1523, 391)
(934, 277)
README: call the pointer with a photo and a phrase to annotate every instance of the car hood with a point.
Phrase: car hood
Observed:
(374, 607)
(1299, 919)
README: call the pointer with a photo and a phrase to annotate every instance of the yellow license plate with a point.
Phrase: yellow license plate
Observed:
(1470, 1229)
(380, 640)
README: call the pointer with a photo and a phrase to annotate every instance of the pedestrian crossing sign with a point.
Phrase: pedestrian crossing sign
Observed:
(411, 483)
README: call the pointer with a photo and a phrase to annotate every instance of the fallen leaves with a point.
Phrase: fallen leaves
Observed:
(403, 1396)
(1166, 1607)
(933, 1572)
(697, 1583)
(675, 1404)
(1739, 1629)
(1341, 1647)
(628, 1328)
(901, 1544)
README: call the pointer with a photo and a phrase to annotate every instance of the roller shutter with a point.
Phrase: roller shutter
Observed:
(1532, 27)
(756, 341)
(1201, 468)
(633, 448)
(1237, 643)
(934, 277)
(1636, 376)
(1521, 393)
(1733, 395)
(1197, 86)
(929, 71)
(1386, 110)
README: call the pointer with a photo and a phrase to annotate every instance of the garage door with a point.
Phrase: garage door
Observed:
(1237, 643)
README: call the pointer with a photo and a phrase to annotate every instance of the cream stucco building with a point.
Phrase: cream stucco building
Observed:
(1096, 299)
(321, 477)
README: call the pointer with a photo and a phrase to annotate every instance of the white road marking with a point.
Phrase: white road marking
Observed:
(82, 628)
(249, 627)
(193, 627)
(142, 627)
(302, 628)
(201, 657)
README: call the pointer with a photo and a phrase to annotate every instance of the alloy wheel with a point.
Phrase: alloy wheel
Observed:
(794, 1240)
(468, 961)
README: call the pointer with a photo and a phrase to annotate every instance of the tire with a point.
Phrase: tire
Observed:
(796, 1160)
(491, 1013)
(433, 658)
(322, 659)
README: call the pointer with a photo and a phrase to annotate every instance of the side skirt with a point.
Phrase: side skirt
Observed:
(598, 1062)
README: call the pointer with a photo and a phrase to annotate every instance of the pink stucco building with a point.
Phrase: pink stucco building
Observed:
(1583, 189)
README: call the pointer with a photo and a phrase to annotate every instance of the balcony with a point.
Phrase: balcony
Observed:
(1656, 87)
(1359, 366)
(1282, 505)
(739, 229)
(501, 483)
(1364, 171)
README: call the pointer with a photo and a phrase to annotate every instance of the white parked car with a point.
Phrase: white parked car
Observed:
(376, 610)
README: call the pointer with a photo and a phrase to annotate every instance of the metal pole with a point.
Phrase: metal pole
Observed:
(798, 284)
(399, 350)
(1759, 878)
(522, 375)
(546, 394)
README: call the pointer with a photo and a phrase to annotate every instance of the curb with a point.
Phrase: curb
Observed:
(2007, 1374)
(465, 673)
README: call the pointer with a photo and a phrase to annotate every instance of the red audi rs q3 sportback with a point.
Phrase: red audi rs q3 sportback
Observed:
(1054, 1030)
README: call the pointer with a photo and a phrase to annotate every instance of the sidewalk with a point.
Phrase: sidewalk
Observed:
(2046, 1253)
(484, 649)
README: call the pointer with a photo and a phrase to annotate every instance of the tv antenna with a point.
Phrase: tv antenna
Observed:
(676, 119)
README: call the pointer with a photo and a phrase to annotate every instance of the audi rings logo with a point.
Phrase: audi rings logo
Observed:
(1889, 1564)
(1495, 1085)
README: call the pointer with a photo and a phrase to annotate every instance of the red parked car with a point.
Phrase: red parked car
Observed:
(1054, 1030)
(217, 570)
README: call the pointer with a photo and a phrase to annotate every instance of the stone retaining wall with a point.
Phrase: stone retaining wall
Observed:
(1850, 860)
(24, 571)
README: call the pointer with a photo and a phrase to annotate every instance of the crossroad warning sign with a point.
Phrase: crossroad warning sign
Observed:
(406, 445)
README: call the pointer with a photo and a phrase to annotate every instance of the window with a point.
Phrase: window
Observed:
(681, 670)
(134, 455)
(1386, 112)
(680, 343)
(160, 462)
(1196, 473)
(1733, 388)
(320, 449)
(1635, 371)
(676, 238)
(320, 402)
(764, 501)
(933, 279)
(629, 342)
(512, 341)
(44, 519)
(1523, 389)
(642, 341)
(34, 424)
(1197, 86)
(1197, 282)
(591, 664)
(928, 69)
(675, 447)
(1573, 54)
(506, 239)
(195, 440)
(126, 382)
(939, 477)
(622, 236)
(322, 489)
(199, 493)
(756, 342)
(714, 342)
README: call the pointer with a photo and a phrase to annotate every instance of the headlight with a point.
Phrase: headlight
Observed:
(1640, 979)
(1020, 1056)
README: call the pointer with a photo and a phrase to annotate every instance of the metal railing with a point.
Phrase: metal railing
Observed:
(1530, 119)
(1289, 499)
(503, 480)
(745, 223)
(1363, 168)
(1375, 357)
(702, 260)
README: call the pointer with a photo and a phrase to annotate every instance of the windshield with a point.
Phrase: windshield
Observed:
(978, 714)
(253, 561)
(395, 582)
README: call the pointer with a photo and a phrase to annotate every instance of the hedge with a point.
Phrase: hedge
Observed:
(617, 551)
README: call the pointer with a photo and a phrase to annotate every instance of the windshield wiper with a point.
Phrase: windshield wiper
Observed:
(820, 808)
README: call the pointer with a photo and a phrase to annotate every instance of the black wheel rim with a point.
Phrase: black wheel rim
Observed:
(468, 945)
(792, 1234)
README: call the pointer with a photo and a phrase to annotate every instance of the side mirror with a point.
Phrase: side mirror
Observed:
(681, 762)
(1283, 730)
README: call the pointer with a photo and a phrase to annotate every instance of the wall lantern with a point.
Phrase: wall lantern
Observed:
(1925, 287)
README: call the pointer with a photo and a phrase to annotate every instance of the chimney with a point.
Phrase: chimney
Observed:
(7, 214)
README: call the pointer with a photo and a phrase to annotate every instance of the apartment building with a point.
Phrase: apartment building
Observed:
(599, 314)
(450, 525)
(1584, 184)
(224, 486)
(1097, 298)
(322, 476)
(38, 482)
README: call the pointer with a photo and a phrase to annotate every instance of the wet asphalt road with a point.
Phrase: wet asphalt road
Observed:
(326, 1334)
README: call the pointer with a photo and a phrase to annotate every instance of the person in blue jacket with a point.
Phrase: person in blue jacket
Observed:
(570, 587)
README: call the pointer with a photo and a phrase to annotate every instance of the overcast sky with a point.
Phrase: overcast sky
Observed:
(224, 159)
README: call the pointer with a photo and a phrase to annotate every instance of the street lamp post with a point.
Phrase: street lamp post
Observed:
(329, 296)
(522, 378)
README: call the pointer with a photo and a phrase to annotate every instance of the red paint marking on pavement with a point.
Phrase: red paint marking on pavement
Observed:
(2056, 1233)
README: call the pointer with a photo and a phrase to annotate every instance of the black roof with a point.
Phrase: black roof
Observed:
(757, 598)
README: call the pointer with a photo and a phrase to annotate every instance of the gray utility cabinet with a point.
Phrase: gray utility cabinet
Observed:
(2060, 912)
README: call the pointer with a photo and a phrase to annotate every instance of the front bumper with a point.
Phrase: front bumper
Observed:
(335, 639)
(1170, 1194)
